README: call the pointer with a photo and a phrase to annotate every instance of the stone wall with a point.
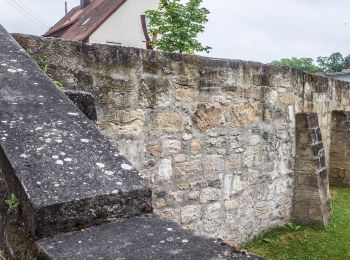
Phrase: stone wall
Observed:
(339, 166)
(311, 200)
(66, 192)
(215, 137)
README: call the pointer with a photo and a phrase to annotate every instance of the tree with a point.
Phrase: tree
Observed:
(304, 64)
(347, 62)
(333, 63)
(178, 26)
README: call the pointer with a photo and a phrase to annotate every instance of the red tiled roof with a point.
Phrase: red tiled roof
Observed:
(79, 24)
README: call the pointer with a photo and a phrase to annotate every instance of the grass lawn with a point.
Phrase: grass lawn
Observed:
(305, 243)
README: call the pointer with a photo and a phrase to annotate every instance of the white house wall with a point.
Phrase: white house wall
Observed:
(124, 26)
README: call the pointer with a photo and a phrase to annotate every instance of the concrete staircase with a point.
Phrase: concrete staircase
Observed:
(66, 192)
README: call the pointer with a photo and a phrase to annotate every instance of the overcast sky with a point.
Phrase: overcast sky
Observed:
(259, 30)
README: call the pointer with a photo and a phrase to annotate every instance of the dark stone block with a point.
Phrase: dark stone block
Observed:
(316, 149)
(84, 101)
(323, 174)
(209, 86)
(322, 161)
(138, 238)
(318, 135)
(313, 135)
(301, 121)
(312, 120)
(340, 120)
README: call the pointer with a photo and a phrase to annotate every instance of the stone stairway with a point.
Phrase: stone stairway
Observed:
(66, 192)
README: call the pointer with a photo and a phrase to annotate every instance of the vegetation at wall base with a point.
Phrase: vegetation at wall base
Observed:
(178, 26)
(13, 204)
(307, 243)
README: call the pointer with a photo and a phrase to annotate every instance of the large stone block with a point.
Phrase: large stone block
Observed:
(196, 146)
(172, 146)
(155, 92)
(154, 149)
(213, 164)
(209, 194)
(166, 122)
(287, 98)
(123, 123)
(190, 213)
(165, 170)
(244, 115)
(186, 90)
(212, 218)
(188, 169)
(207, 118)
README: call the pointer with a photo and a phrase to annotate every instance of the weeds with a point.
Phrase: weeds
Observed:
(44, 66)
(13, 204)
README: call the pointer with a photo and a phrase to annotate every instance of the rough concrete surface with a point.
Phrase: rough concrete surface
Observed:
(65, 172)
(147, 238)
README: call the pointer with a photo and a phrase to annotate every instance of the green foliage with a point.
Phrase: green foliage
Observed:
(13, 204)
(43, 64)
(303, 242)
(58, 84)
(347, 62)
(304, 64)
(293, 227)
(178, 26)
(333, 63)
(267, 240)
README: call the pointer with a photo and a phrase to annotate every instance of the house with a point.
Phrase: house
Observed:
(116, 22)
(343, 75)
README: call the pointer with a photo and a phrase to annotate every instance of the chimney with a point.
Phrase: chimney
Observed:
(84, 3)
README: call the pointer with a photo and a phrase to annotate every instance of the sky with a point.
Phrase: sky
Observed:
(257, 30)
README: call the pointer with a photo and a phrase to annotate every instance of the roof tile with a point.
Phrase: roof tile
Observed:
(79, 24)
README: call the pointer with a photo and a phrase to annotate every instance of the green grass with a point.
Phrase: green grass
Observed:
(306, 243)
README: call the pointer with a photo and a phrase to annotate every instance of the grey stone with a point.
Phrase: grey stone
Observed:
(137, 238)
(190, 213)
(65, 172)
(165, 170)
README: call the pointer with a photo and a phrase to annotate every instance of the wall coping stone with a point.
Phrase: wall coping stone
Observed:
(65, 171)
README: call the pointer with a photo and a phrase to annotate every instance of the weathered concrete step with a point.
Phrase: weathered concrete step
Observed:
(64, 171)
(137, 238)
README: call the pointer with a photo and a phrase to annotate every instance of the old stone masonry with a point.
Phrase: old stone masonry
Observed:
(65, 191)
(227, 149)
